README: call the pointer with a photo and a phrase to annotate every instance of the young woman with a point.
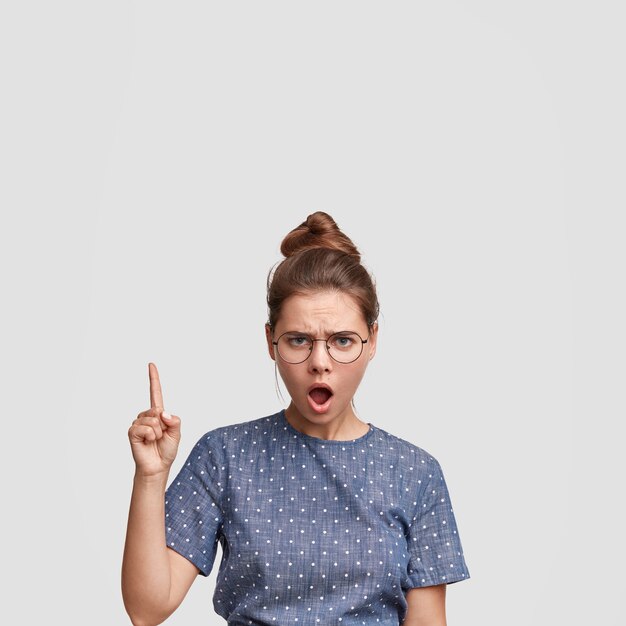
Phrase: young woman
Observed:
(322, 518)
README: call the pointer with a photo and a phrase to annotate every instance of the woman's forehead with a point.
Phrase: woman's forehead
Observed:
(325, 311)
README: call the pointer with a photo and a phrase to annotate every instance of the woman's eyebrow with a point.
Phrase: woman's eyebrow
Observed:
(325, 333)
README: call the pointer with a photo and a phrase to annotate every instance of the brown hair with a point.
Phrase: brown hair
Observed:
(320, 257)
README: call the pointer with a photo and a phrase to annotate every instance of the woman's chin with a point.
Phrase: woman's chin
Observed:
(318, 414)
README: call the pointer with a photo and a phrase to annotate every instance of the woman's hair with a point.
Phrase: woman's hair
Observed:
(319, 257)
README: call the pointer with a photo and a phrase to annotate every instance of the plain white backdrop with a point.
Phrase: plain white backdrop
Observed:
(154, 154)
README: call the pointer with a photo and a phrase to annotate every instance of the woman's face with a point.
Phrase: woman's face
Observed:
(320, 315)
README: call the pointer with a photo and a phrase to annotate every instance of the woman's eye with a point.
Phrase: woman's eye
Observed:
(298, 341)
(343, 342)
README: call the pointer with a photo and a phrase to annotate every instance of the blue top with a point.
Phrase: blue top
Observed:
(313, 531)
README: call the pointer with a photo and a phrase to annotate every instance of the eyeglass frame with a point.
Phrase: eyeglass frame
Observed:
(313, 339)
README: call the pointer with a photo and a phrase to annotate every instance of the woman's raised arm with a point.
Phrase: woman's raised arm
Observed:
(155, 579)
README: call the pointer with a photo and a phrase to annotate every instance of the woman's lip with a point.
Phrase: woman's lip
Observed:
(319, 386)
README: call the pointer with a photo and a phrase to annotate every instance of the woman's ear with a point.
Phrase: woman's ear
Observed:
(373, 339)
(270, 345)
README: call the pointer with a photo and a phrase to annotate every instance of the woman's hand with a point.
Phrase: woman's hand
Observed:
(154, 435)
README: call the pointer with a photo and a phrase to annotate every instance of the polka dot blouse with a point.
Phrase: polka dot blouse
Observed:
(313, 531)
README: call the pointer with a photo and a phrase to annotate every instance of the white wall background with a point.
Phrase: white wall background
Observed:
(152, 157)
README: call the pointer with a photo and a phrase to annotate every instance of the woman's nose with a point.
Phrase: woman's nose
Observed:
(320, 360)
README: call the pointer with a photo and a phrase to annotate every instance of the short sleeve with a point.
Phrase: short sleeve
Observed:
(435, 552)
(193, 516)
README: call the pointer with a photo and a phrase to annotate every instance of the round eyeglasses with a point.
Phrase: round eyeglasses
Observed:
(344, 347)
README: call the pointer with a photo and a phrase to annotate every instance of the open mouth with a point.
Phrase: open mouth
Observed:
(320, 398)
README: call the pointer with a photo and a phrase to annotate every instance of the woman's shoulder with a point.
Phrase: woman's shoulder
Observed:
(240, 431)
(405, 451)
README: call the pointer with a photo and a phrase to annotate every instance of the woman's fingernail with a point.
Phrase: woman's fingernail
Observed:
(166, 416)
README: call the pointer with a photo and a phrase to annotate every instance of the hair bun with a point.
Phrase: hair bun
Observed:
(319, 230)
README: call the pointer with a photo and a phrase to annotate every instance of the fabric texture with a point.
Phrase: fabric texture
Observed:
(313, 531)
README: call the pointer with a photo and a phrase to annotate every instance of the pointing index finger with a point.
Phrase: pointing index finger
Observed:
(156, 397)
